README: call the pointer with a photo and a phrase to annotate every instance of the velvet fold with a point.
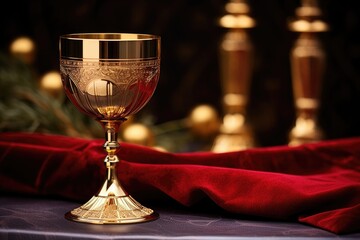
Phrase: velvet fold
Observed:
(316, 184)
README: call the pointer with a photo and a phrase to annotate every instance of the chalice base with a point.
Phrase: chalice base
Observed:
(112, 210)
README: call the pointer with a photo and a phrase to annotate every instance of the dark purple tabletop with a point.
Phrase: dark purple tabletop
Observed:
(37, 218)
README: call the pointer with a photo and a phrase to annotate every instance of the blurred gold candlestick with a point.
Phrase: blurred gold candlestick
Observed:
(236, 66)
(308, 65)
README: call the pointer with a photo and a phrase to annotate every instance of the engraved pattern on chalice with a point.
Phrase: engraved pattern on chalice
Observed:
(110, 89)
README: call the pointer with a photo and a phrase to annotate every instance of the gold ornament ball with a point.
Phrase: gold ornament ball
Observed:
(138, 134)
(23, 48)
(51, 83)
(204, 121)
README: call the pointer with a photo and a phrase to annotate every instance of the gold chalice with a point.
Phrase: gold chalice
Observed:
(110, 76)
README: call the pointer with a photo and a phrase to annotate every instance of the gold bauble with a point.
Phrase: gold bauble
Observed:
(138, 133)
(204, 121)
(23, 48)
(51, 83)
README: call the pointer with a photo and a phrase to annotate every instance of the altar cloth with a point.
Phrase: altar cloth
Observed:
(316, 184)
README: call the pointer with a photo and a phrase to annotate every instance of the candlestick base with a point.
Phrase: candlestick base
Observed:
(305, 131)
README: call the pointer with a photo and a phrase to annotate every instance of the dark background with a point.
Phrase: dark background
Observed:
(190, 41)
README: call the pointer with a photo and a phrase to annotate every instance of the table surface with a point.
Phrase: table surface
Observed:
(37, 218)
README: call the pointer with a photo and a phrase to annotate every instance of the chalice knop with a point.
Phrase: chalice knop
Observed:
(110, 76)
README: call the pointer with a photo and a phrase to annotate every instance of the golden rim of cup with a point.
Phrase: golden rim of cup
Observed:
(109, 46)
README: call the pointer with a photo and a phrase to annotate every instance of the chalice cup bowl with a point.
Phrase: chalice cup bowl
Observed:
(109, 76)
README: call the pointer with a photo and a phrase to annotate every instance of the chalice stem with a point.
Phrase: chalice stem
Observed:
(111, 187)
(112, 204)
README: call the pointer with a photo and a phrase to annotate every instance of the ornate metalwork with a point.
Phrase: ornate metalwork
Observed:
(109, 77)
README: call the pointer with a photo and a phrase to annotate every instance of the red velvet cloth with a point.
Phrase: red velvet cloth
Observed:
(317, 184)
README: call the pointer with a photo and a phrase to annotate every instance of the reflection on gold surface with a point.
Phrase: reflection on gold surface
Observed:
(241, 21)
(110, 111)
(306, 26)
(305, 131)
(237, 15)
(235, 134)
